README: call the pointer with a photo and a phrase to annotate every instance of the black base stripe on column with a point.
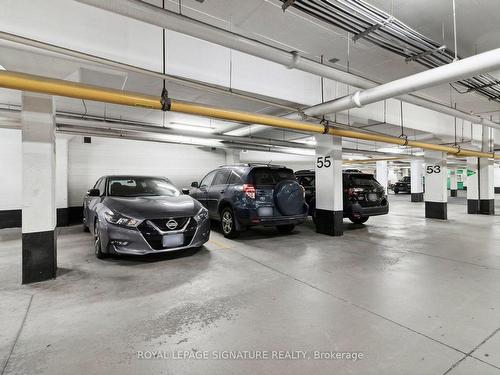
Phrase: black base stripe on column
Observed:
(453, 193)
(39, 256)
(487, 206)
(497, 190)
(10, 218)
(473, 206)
(436, 210)
(329, 222)
(417, 197)
(62, 217)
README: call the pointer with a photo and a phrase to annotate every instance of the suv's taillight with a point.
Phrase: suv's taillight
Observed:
(249, 190)
(353, 192)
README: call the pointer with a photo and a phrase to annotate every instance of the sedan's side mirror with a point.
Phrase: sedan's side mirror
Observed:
(94, 193)
(194, 184)
(185, 191)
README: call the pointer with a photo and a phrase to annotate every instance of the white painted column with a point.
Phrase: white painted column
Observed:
(11, 172)
(62, 181)
(436, 190)
(472, 185)
(453, 182)
(233, 157)
(417, 180)
(382, 174)
(329, 212)
(39, 242)
(486, 176)
(497, 179)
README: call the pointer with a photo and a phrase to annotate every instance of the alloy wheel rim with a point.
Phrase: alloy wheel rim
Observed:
(227, 222)
(97, 243)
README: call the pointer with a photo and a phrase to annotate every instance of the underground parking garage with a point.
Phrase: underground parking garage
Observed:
(254, 187)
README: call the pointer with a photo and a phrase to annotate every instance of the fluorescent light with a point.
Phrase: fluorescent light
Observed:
(391, 150)
(2, 68)
(191, 127)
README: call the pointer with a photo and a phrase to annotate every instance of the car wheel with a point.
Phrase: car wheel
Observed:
(227, 223)
(86, 228)
(285, 228)
(97, 242)
(359, 220)
(396, 191)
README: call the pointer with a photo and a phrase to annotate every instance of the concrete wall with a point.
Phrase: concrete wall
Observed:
(10, 169)
(182, 164)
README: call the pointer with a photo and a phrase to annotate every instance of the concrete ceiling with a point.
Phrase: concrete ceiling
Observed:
(293, 30)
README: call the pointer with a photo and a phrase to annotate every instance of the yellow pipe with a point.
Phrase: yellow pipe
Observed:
(59, 87)
(34, 83)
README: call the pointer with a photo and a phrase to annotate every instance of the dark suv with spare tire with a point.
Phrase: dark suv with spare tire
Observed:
(245, 195)
(363, 195)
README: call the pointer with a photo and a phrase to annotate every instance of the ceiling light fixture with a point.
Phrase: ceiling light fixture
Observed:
(190, 127)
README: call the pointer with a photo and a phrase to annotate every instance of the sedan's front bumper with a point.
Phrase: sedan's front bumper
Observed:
(121, 240)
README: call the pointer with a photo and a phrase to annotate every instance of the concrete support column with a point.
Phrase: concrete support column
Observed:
(39, 242)
(453, 182)
(472, 185)
(382, 174)
(436, 190)
(487, 176)
(417, 181)
(329, 212)
(233, 157)
(62, 181)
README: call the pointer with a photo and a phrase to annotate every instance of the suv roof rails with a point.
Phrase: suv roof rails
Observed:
(252, 165)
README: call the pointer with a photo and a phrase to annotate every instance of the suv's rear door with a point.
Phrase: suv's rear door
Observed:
(265, 179)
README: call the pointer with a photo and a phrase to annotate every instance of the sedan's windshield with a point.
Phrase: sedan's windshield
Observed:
(141, 186)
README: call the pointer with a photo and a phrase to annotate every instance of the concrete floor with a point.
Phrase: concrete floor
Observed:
(415, 296)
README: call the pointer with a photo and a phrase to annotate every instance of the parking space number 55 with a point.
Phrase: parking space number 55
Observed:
(323, 162)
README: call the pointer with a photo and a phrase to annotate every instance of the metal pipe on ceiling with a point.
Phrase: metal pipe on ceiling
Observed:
(483, 62)
(163, 18)
(28, 82)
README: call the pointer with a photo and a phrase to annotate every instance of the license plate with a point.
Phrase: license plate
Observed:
(265, 211)
(173, 240)
(372, 197)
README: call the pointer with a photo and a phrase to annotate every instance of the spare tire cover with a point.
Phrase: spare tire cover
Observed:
(289, 198)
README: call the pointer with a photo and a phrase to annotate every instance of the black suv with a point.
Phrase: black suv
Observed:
(402, 185)
(363, 195)
(245, 195)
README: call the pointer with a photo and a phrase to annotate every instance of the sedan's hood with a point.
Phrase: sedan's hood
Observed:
(154, 207)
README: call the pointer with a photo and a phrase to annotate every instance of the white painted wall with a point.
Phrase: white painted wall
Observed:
(11, 164)
(182, 164)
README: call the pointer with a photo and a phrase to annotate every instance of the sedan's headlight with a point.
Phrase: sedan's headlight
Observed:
(201, 215)
(118, 219)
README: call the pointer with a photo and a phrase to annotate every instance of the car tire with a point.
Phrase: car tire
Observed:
(97, 242)
(287, 228)
(396, 191)
(86, 228)
(359, 220)
(228, 224)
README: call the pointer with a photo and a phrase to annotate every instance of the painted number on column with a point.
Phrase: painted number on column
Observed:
(323, 162)
(433, 169)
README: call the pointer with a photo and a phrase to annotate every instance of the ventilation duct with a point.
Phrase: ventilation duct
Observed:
(364, 21)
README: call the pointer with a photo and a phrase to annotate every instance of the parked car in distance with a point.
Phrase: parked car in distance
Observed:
(245, 195)
(403, 185)
(141, 215)
(363, 196)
